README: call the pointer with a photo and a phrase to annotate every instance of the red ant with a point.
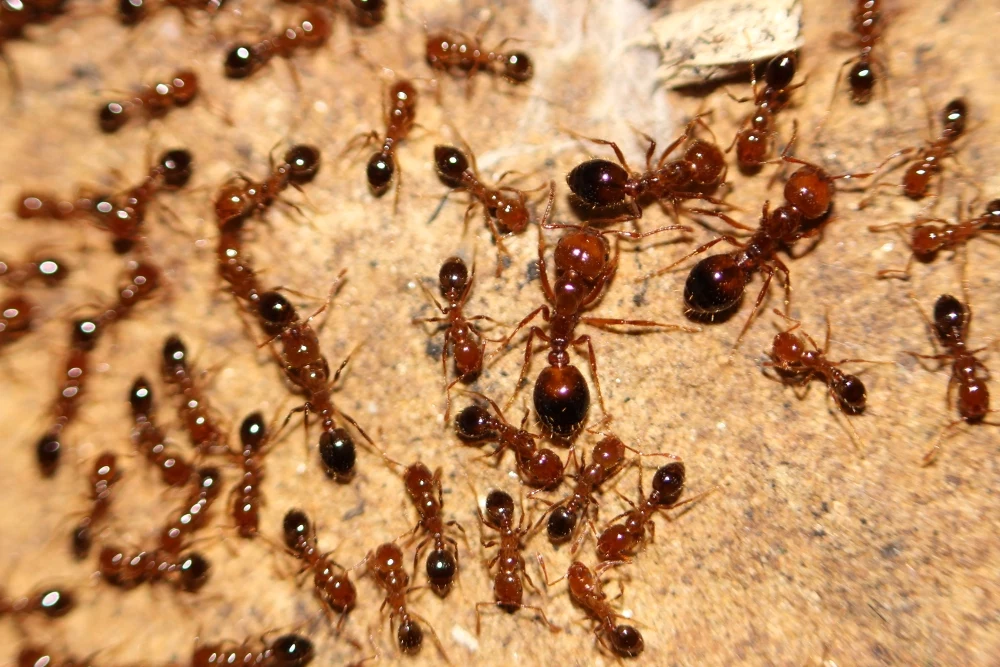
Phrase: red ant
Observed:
(43, 205)
(143, 279)
(604, 184)
(311, 32)
(151, 441)
(193, 514)
(187, 573)
(132, 12)
(194, 411)
(289, 650)
(241, 198)
(464, 55)
(927, 239)
(400, 117)
(330, 582)
(540, 468)
(234, 266)
(104, 475)
(950, 326)
(48, 602)
(16, 318)
(753, 140)
(507, 586)
(867, 22)
(247, 499)
(155, 101)
(50, 271)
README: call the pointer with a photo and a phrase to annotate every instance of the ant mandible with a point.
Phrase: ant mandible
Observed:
(154, 101)
(753, 141)
(311, 32)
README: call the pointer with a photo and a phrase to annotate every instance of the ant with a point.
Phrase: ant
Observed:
(950, 326)
(194, 411)
(400, 117)
(386, 565)
(186, 573)
(927, 239)
(143, 279)
(43, 205)
(289, 650)
(193, 514)
(233, 264)
(311, 32)
(50, 271)
(132, 12)
(104, 475)
(867, 22)
(541, 468)
(247, 498)
(604, 184)
(753, 139)
(155, 101)
(151, 441)
(48, 602)
(586, 590)
(330, 582)
(507, 587)
(464, 55)
(16, 318)
(241, 198)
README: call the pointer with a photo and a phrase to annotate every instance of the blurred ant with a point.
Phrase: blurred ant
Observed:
(16, 318)
(151, 441)
(193, 514)
(105, 475)
(289, 650)
(194, 412)
(44, 205)
(242, 197)
(753, 141)
(48, 602)
(133, 12)
(312, 32)
(867, 23)
(331, 584)
(16, 16)
(246, 495)
(152, 101)
(49, 271)
(463, 55)
(187, 573)
(363, 13)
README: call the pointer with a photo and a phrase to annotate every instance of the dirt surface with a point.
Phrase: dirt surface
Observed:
(809, 549)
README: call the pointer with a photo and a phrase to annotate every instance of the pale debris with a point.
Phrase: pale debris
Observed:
(718, 38)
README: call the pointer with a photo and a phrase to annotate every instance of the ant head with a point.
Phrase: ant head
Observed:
(174, 353)
(86, 331)
(609, 452)
(780, 71)
(194, 571)
(954, 117)
(475, 423)
(276, 309)
(112, 117)
(851, 394)
(517, 67)
(292, 651)
(668, 483)
(707, 162)
(861, 79)
(409, 636)
(499, 508)
(337, 451)
(453, 278)
(387, 557)
(240, 62)
(584, 253)
(561, 399)
(787, 349)
(175, 165)
(380, 170)
(304, 163)
(403, 94)
(441, 568)
(714, 285)
(599, 182)
(951, 318)
(451, 163)
(55, 603)
(295, 528)
(253, 431)
(131, 12)
(105, 468)
(627, 641)
(185, 85)
(48, 453)
(562, 521)
(140, 397)
(544, 468)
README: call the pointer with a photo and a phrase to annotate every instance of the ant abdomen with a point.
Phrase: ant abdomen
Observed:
(562, 399)
(627, 641)
(561, 524)
(303, 161)
(451, 164)
(379, 172)
(950, 318)
(973, 400)
(599, 182)
(715, 285)
(851, 394)
(409, 636)
(668, 483)
(518, 67)
(338, 454)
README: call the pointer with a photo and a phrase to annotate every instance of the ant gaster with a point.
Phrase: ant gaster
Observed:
(311, 32)
(151, 441)
(330, 582)
(154, 101)
(104, 475)
(49, 271)
(753, 141)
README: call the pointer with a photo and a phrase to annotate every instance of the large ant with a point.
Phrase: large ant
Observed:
(151, 441)
(400, 117)
(132, 12)
(143, 279)
(48, 602)
(193, 514)
(330, 582)
(240, 198)
(187, 573)
(247, 499)
(604, 184)
(193, 410)
(541, 468)
(104, 475)
(464, 55)
(47, 270)
(753, 140)
(311, 32)
(290, 650)
(867, 21)
(950, 326)
(16, 318)
(154, 101)
(507, 585)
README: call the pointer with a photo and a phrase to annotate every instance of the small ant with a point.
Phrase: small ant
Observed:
(330, 582)
(507, 586)
(151, 441)
(233, 264)
(541, 468)
(50, 271)
(241, 198)
(400, 117)
(867, 21)
(132, 12)
(386, 565)
(104, 475)
(154, 101)
(289, 650)
(43, 205)
(927, 239)
(950, 326)
(311, 32)
(247, 498)
(604, 184)
(193, 514)
(16, 318)
(464, 55)
(187, 573)
(753, 139)
(16, 16)
(48, 602)
(194, 411)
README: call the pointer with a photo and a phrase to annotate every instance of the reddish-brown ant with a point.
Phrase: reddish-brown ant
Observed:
(132, 12)
(193, 410)
(950, 326)
(16, 318)
(49, 271)
(151, 441)
(753, 141)
(400, 117)
(154, 101)
(247, 499)
(311, 32)
(290, 650)
(241, 198)
(104, 475)
(867, 23)
(187, 573)
(48, 602)
(541, 468)
(193, 514)
(331, 584)
(463, 55)
(233, 264)
(43, 205)
(507, 584)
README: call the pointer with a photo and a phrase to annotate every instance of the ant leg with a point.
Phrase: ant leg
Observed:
(545, 619)
(605, 142)
(901, 274)
(541, 564)
(672, 147)
(535, 331)
(544, 310)
(722, 216)
(605, 322)
(760, 299)
(659, 272)
(593, 367)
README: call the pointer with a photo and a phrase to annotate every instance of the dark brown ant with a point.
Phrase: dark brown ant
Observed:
(290, 650)
(154, 101)
(16, 318)
(143, 279)
(312, 32)
(400, 117)
(151, 441)
(386, 565)
(464, 55)
(541, 468)
(927, 239)
(331, 584)
(132, 12)
(246, 496)
(104, 476)
(753, 141)
(241, 198)
(604, 184)
(193, 514)
(194, 412)
(507, 584)
(867, 24)
(186, 573)
(49, 271)
(48, 602)
(950, 326)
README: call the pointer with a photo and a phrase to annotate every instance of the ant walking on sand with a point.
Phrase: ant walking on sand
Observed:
(867, 23)
(753, 141)
(193, 514)
(255, 441)
(312, 32)
(289, 650)
(105, 475)
(242, 197)
(331, 584)
(187, 573)
(194, 411)
(400, 117)
(151, 441)
(152, 101)
(464, 55)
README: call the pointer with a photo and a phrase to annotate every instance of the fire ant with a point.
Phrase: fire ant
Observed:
(867, 21)
(311, 32)
(50, 271)
(43, 205)
(143, 279)
(194, 411)
(247, 498)
(234, 266)
(753, 140)
(104, 475)
(151, 441)
(132, 12)
(48, 602)
(400, 117)
(330, 582)
(950, 326)
(464, 55)
(193, 514)
(290, 650)
(386, 565)
(540, 468)
(507, 587)
(186, 573)
(240, 198)
(16, 318)
(604, 184)
(155, 101)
